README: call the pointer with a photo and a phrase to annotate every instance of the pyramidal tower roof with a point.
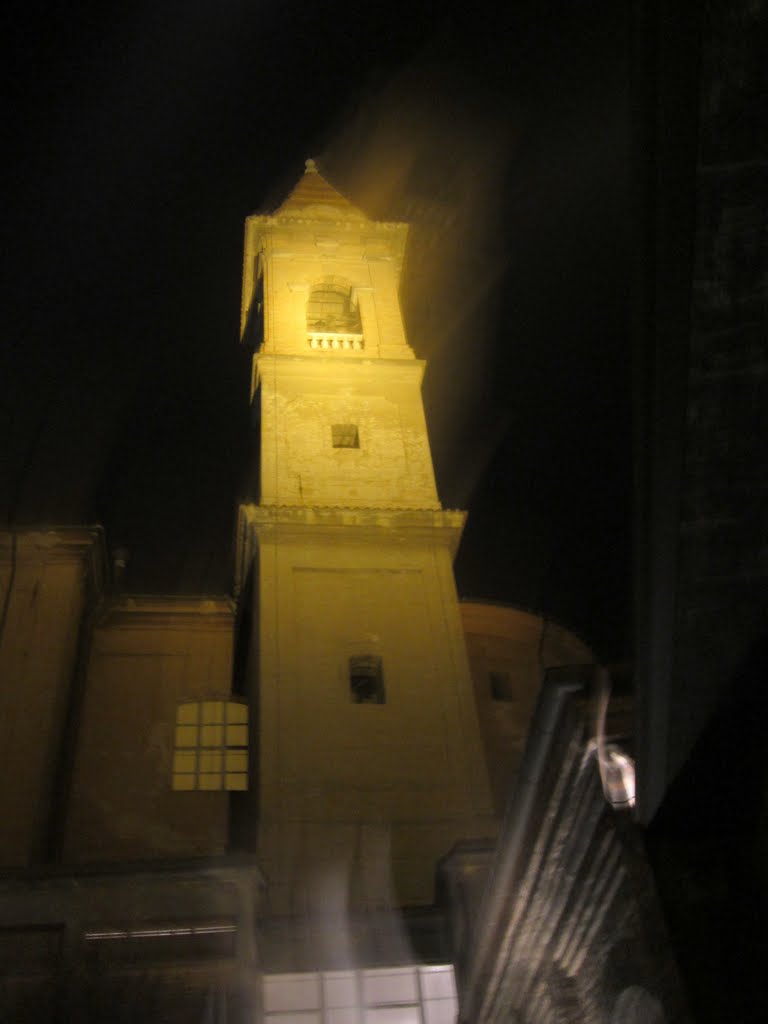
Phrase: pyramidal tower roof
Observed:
(313, 197)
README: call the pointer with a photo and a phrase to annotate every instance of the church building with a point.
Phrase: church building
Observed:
(281, 805)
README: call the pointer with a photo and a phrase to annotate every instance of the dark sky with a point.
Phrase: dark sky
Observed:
(142, 137)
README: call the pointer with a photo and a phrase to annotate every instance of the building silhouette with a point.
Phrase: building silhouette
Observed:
(210, 799)
(285, 803)
(368, 735)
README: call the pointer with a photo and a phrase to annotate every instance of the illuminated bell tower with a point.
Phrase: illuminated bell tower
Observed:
(369, 757)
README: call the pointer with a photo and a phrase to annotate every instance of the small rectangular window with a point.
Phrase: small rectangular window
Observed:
(501, 686)
(345, 435)
(366, 681)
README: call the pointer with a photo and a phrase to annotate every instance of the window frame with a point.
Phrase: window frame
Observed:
(210, 746)
(345, 435)
(366, 667)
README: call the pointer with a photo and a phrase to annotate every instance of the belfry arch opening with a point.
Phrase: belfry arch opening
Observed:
(333, 316)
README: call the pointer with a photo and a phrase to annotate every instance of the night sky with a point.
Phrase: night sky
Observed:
(141, 138)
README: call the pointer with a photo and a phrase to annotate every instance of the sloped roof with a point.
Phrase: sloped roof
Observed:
(312, 192)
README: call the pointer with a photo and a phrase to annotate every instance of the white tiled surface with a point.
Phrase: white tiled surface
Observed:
(391, 985)
(437, 983)
(346, 1015)
(440, 1011)
(291, 992)
(392, 995)
(393, 1015)
(340, 988)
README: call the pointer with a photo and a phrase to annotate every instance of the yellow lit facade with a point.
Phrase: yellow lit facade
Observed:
(252, 786)
(368, 736)
(353, 733)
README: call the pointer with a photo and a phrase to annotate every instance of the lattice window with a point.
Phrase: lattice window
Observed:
(211, 745)
(330, 308)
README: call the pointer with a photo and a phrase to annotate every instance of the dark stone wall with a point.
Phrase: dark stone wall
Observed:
(564, 923)
(132, 944)
(702, 734)
(701, 362)
(723, 582)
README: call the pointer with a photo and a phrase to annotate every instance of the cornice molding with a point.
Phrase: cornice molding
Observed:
(57, 545)
(158, 611)
(415, 526)
(300, 363)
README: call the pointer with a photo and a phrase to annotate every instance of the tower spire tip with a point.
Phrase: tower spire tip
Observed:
(310, 166)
